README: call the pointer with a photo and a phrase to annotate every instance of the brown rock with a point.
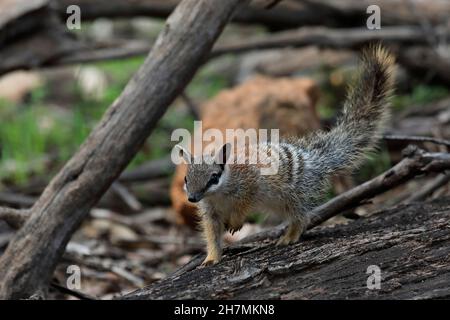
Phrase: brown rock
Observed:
(260, 103)
(15, 86)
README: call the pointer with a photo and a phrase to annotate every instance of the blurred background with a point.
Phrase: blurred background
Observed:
(286, 67)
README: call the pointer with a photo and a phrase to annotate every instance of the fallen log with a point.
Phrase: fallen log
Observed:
(410, 244)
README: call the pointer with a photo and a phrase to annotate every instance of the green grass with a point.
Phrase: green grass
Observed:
(33, 132)
(207, 83)
(422, 94)
(375, 164)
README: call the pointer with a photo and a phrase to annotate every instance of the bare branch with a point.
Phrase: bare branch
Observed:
(74, 293)
(193, 108)
(154, 169)
(121, 191)
(272, 4)
(328, 37)
(13, 217)
(416, 139)
(430, 188)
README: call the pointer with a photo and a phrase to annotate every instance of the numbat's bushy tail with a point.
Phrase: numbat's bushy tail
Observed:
(365, 111)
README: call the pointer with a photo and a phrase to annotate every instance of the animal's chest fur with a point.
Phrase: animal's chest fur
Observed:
(224, 207)
(232, 211)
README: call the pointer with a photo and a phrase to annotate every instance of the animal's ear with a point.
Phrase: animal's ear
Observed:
(186, 155)
(223, 155)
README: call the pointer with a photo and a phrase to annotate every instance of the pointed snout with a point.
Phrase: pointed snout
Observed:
(196, 197)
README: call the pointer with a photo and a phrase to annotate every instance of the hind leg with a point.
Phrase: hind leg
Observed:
(298, 224)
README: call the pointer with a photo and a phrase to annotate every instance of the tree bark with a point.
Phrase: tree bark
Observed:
(409, 243)
(189, 34)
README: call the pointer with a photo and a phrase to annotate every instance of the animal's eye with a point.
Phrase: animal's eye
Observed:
(214, 178)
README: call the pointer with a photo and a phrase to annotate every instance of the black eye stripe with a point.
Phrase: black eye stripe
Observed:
(215, 177)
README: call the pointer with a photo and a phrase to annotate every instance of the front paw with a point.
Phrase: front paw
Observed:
(209, 262)
(286, 240)
(234, 230)
(233, 226)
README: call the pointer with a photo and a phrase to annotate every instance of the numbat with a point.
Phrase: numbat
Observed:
(227, 191)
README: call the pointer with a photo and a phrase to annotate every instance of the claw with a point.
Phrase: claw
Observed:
(286, 240)
(234, 230)
(208, 262)
(281, 242)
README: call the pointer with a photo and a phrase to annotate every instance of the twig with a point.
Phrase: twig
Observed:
(74, 293)
(430, 188)
(416, 139)
(193, 108)
(326, 37)
(272, 4)
(16, 199)
(13, 217)
(151, 170)
(122, 51)
(131, 201)
(5, 237)
(121, 272)
(107, 265)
